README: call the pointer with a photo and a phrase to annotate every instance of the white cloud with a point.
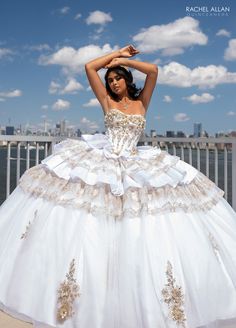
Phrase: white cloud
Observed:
(167, 99)
(72, 87)
(2, 99)
(179, 75)
(39, 47)
(64, 10)
(61, 104)
(223, 32)
(230, 52)
(78, 16)
(231, 113)
(139, 76)
(170, 38)
(98, 17)
(54, 87)
(181, 117)
(92, 103)
(4, 52)
(87, 124)
(73, 60)
(199, 99)
(44, 107)
(11, 94)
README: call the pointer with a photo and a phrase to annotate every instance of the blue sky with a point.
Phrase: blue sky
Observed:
(45, 44)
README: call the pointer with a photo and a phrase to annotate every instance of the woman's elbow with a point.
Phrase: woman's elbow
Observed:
(87, 66)
(155, 69)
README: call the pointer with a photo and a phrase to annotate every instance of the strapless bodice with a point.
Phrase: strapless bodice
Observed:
(124, 130)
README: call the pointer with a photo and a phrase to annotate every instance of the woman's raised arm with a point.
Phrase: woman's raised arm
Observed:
(149, 69)
(95, 65)
(95, 81)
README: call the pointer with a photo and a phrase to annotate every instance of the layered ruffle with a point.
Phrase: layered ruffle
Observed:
(87, 174)
(93, 162)
(198, 195)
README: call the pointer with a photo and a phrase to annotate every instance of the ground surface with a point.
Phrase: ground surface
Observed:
(8, 322)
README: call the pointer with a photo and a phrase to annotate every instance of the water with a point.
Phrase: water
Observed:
(3, 163)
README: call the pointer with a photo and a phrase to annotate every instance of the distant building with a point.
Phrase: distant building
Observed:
(197, 130)
(221, 134)
(170, 134)
(180, 134)
(204, 134)
(63, 128)
(10, 130)
(232, 134)
(153, 133)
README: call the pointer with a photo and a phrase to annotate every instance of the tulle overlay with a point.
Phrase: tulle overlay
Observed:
(109, 235)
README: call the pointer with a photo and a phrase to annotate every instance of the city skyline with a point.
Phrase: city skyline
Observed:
(61, 129)
(44, 46)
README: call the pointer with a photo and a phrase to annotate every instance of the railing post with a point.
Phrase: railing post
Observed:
(8, 168)
(234, 176)
(18, 163)
(51, 146)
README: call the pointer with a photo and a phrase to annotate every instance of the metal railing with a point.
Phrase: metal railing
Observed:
(203, 148)
(199, 152)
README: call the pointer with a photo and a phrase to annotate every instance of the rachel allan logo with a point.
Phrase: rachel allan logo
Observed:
(207, 10)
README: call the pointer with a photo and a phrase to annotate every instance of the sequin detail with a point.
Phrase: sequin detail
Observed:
(27, 229)
(67, 293)
(124, 130)
(174, 298)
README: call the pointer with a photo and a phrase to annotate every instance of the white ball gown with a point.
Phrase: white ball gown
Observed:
(105, 234)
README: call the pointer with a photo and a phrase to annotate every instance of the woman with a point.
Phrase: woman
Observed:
(106, 234)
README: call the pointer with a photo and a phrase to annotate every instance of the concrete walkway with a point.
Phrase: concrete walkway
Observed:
(8, 322)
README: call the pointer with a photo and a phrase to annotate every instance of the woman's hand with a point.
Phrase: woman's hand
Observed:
(115, 62)
(128, 51)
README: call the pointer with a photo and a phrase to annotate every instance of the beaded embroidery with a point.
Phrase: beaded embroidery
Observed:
(124, 130)
(27, 229)
(173, 296)
(67, 293)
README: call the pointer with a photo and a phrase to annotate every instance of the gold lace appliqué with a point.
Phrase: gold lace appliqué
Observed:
(173, 296)
(27, 229)
(67, 293)
(200, 194)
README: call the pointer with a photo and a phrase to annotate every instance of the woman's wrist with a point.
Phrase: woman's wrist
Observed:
(125, 61)
(118, 52)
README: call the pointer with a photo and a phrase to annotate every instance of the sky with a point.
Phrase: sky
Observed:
(45, 44)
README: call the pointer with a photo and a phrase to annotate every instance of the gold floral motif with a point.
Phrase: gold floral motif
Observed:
(27, 229)
(214, 244)
(173, 296)
(67, 293)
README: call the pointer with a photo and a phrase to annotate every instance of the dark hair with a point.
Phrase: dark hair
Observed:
(133, 91)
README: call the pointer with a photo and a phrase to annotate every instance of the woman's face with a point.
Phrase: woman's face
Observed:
(117, 83)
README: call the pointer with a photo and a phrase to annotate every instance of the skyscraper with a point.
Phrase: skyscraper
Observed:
(197, 130)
